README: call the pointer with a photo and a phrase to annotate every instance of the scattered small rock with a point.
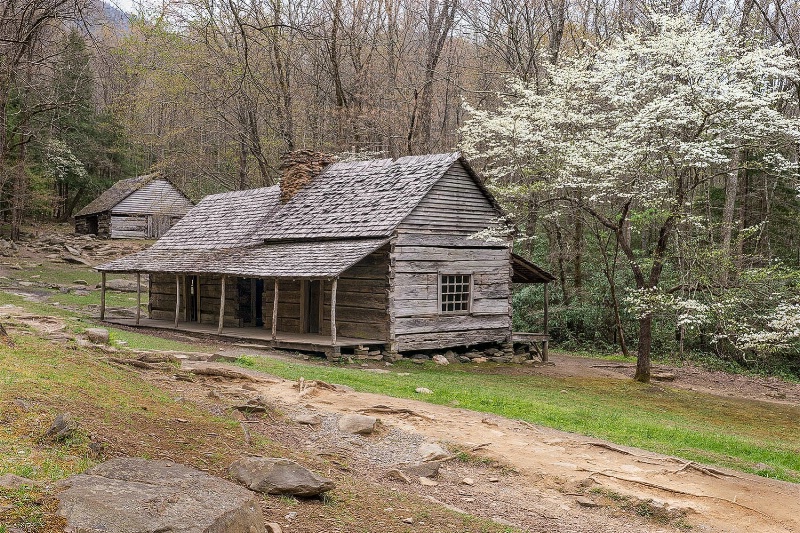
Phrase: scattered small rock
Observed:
(423, 390)
(62, 428)
(396, 475)
(494, 479)
(427, 482)
(408, 520)
(357, 424)
(272, 527)
(440, 360)
(430, 451)
(586, 502)
(308, 419)
(278, 476)
(291, 516)
(81, 282)
(467, 481)
(479, 360)
(11, 481)
(426, 469)
(97, 335)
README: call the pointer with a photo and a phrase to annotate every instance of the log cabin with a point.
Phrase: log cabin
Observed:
(144, 207)
(378, 254)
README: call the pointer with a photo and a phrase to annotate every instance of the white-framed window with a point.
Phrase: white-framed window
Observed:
(455, 293)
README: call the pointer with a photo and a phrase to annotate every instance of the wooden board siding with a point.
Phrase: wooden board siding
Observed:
(159, 197)
(416, 320)
(128, 227)
(455, 205)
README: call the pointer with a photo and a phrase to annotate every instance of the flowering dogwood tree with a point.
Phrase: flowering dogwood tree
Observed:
(637, 125)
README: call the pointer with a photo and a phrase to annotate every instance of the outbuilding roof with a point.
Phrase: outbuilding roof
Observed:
(118, 192)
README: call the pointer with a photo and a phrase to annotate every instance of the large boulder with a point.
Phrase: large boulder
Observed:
(127, 495)
(278, 476)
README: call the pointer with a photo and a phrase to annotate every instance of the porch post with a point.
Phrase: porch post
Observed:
(546, 305)
(138, 297)
(546, 342)
(177, 299)
(102, 296)
(221, 304)
(275, 311)
(333, 310)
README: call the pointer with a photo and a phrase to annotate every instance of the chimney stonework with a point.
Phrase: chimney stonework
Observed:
(299, 168)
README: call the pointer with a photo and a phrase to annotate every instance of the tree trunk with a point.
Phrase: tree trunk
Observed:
(731, 190)
(643, 350)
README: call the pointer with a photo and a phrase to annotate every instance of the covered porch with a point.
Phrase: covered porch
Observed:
(312, 342)
(287, 295)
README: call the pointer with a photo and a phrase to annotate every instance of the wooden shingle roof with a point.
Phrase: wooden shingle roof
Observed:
(118, 192)
(358, 199)
(345, 213)
(293, 260)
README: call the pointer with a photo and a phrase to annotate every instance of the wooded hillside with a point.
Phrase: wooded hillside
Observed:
(661, 190)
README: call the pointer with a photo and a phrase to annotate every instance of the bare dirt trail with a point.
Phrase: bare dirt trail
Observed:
(714, 499)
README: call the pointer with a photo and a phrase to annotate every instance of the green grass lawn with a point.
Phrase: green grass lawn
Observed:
(750, 436)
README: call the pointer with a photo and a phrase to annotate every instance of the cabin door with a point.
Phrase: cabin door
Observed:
(312, 306)
(192, 292)
(251, 298)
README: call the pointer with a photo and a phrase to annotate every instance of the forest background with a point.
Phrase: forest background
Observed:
(702, 263)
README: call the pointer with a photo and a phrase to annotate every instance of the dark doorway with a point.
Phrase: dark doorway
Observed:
(91, 225)
(192, 291)
(313, 306)
(251, 294)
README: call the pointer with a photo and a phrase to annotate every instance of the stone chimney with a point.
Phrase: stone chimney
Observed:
(299, 168)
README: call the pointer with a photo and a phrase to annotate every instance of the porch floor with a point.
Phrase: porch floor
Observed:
(291, 341)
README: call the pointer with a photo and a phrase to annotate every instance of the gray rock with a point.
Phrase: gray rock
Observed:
(128, 495)
(357, 424)
(11, 481)
(308, 419)
(70, 249)
(397, 475)
(439, 359)
(426, 469)
(420, 357)
(62, 428)
(75, 260)
(80, 282)
(423, 390)
(479, 360)
(463, 359)
(121, 285)
(430, 451)
(278, 476)
(97, 335)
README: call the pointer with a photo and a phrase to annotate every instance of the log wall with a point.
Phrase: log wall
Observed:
(162, 299)
(361, 301)
(433, 240)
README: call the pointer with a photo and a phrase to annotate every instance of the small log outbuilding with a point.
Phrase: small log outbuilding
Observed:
(342, 255)
(144, 207)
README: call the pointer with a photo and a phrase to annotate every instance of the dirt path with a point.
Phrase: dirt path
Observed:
(547, 463)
